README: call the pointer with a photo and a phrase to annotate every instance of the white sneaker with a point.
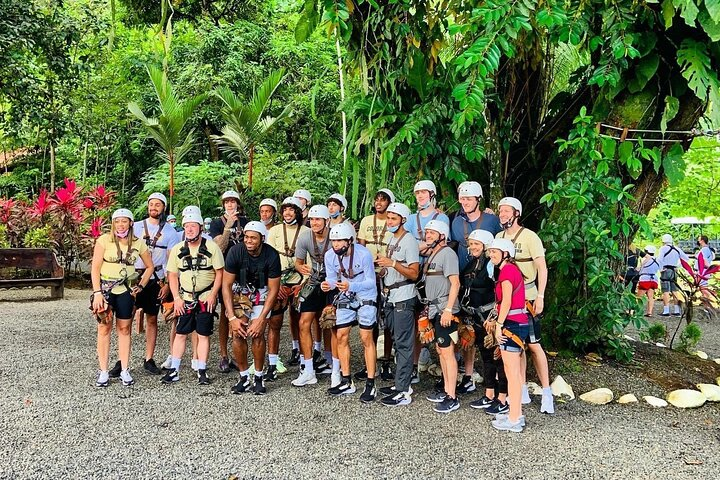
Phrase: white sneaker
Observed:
(548, 404)
(194, 364)
(167, 364)
(306, 377)
(525, 395)
(103, 379)
(127, 380)
(281, 368)
(335, 378)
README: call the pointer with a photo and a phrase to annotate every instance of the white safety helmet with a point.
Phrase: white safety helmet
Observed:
(342, 231)
(399, 209)
(171, 217)
(439, 226)
(651, 249)
(504, 245)
(192, 217)
(258, 227)
(123, 212)
(208, 220)
(425, 185)
(389, 193)
(339, 198)
(470, 189)
(231, 194)
(191, 209)
(482, 236)
(292, 201)
(302, 193)
(269, 202)
(158, 196)
(511, 202)
(667, 239)
(319, 211)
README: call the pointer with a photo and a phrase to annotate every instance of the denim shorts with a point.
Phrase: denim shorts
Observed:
(522, 330)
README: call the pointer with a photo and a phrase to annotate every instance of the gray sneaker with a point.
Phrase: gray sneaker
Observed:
(504, 416)
(504, 424)
(436, 397)
(126, 378)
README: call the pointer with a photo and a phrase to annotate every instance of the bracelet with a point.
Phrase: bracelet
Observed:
(234, 317)
(97, 291)
(449, 310)
(141, 286)
(394, 263)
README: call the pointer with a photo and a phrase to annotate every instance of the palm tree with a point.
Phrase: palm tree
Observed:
(167, 129)
(245, 127)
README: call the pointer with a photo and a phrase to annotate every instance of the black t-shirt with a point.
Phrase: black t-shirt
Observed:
(475, 278)
(257, 269)
(217, 227)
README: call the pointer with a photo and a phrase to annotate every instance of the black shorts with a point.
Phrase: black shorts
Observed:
(445, 336)
(315, 302)
(198, 320)
(122, 304)
(148, 299)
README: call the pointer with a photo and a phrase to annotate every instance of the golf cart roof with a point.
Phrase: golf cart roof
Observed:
(692, 221)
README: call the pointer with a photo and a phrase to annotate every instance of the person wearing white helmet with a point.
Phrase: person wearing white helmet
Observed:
(195, 271)
(305, 199)
(337, 205)
(349, 268)
(530, 258)
(477, 301)
(112, 270)
(669, 257)
(440, 280)
(268, 212)
(648, 281)
(172, 221)
(426, 197)
(471, 217)
(284, 238)
(511, 327)
(159, 237)
(252, 273)
(313, 244)
(400, 265)
(226, 231)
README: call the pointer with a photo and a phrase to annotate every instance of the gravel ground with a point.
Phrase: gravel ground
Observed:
(55, 424)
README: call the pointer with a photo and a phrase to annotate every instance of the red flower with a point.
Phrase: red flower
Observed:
(42, 205)
(88, 203)
(96, 227)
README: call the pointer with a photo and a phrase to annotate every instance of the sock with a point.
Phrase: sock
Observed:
(666, 309)
(346, 378)
(677, 308)
(296, 344)
(302, 358)
(370, 382)
(245, 373)
(175, 363)
(336, 364)
(309, 366)
(273, 358)
(318, 346)
(465, 379)
(201, 365)
(258, 373)
(547, 391)
(328, 357)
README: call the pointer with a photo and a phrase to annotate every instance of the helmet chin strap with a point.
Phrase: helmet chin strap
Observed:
(294, 221)
(267, 222)
(191, 240)
(430, 203)
(509, 223)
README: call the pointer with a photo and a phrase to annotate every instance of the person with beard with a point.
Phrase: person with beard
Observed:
(252, 271)
(373, 234)
(477, 301)
(284, 238)
(112, 270)
(349, 267)
(530, 258)
(268, 212)
(195, 271)
(471, 217)
(312, 300)
(226, 231)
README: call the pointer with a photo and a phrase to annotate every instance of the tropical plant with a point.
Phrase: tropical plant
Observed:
(245, 126)
(689, 338)
(168, 129)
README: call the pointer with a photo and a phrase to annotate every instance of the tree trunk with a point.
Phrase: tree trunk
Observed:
(251, 157)
(171, 158)
(342, 112)
(52, 164)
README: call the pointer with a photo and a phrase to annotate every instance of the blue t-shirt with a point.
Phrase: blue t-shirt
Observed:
(411, 224)
(461, 228)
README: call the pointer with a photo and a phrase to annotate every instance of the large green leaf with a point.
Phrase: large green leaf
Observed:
(674, 164)
(644, 72)
(688, 10)
(672, 106)
(713, 8)
(711, 26)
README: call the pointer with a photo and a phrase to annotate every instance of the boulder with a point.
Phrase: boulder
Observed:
(686, 398)
(628, 398)
(534, 388)
(655, 401)
(701, 354)
(560, 387)
(711, 392)
(717, 360)
(599, 396)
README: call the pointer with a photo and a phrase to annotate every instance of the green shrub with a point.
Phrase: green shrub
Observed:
(39, 237)
(655, 333)
(690, 337)
(4, 240)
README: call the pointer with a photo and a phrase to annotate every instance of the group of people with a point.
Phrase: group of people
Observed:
(475, 282)
(652, 268)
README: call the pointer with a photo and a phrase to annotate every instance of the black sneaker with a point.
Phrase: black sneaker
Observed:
(415, 375)
(294, 357)
(150, 367)
(466, 385)
(497, 408)
(448, 405)
(346, 387)
(271, 374)
(397, 399)
(259, 388)
(202, 377)
(388, 390)
(386, 372)
(368, 395)
(323, 369)
(171, 376)
(115, 371)
(242, 386)
(482, 403)
(361, 375)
